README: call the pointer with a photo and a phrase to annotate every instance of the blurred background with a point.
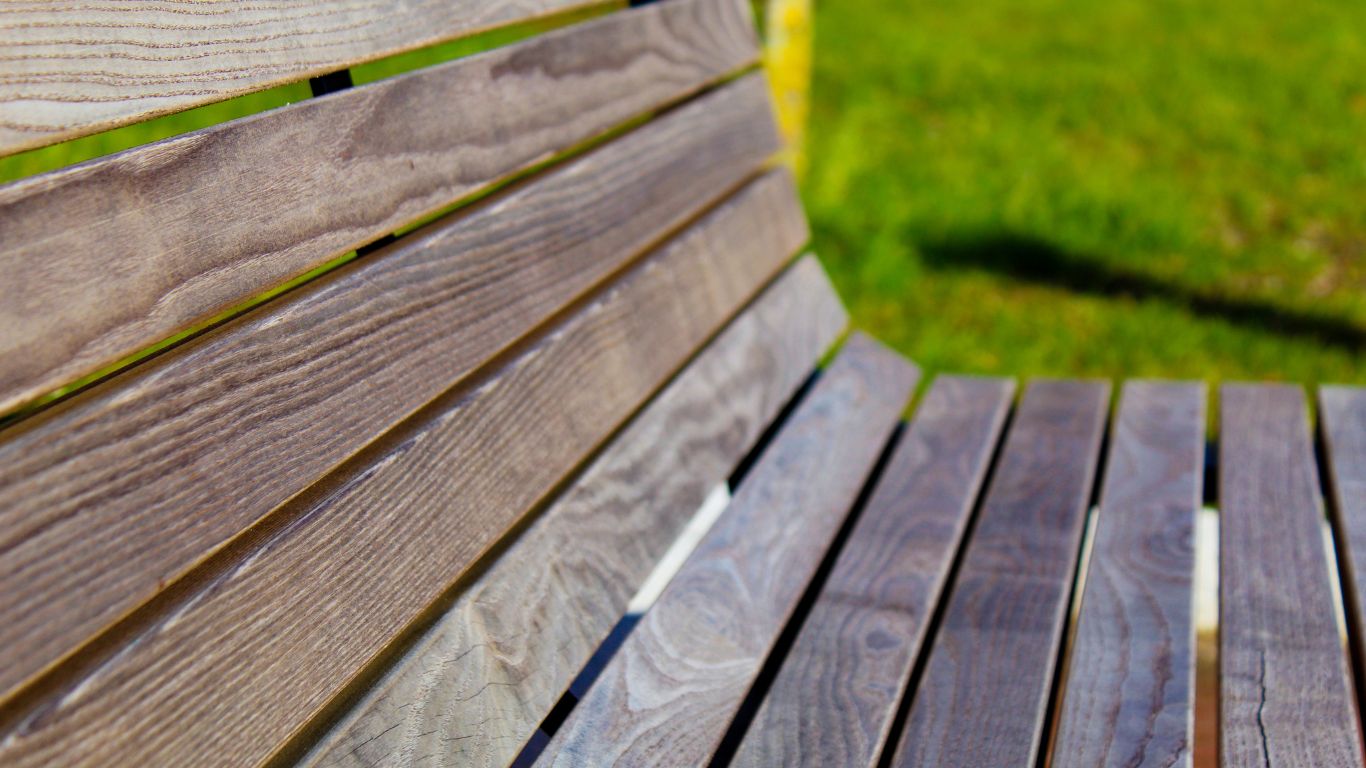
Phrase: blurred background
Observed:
(1050, 187)
(1096, 187)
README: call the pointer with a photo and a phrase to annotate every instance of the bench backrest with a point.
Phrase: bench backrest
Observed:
(264, 461)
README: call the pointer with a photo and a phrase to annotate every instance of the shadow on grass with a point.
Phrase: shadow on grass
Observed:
(1036, 261)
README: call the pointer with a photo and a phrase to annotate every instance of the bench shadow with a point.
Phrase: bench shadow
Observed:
(1036, 261)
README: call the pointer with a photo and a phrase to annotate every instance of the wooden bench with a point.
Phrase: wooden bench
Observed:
(474, 417)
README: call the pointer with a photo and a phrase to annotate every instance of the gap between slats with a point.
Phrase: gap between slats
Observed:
(736, 309)
(668, 566)
(103, 347)
(1339, 466)
(353, 38)
(1205, 615)
(706, 516)
(782, 647)
(936, 618)
(778, 532)
(373, 249)
(756, 695)
(1205, 599)
(138, 618)
(244, 546)
(1088, 541)
(1204, 593)
(74, 151)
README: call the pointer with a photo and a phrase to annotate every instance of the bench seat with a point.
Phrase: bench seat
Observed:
(494, 414)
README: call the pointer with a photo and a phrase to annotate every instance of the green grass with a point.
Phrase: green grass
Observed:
(1097, 187)
(85, 148)
(1061, 187)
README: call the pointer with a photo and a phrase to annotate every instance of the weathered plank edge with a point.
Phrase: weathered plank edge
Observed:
(1293, 706)
(918, 514)
(163, 239)
(172, 453)
(1342, 430)
(431, 23)
(656, 472)
(672, 689)
(437, 493)
(1142, 569)
(1082, 406)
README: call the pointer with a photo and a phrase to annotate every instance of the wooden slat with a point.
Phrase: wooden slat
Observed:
(835, 698)
(1342, 415)
(668, 695)
(107, 258)
(116, 493)
(482, 681)
(72, 68)
(273, 636)
(1131, 681)
(1285, 694)
(985, 689)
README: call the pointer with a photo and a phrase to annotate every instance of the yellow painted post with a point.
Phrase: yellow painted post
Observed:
(787, 56)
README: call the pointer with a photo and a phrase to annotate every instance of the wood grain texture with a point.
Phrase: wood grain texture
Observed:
(1285, 694)
(1342, 418)
(834, 700)
(167, 464)
(982, 698)
(240, 667)
(669, 693)
(1129, 699)
(478, 686)
(107, 258)
(71, 68)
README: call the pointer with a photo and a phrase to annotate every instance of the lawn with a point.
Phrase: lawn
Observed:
(1061, 187)
(1097, 187)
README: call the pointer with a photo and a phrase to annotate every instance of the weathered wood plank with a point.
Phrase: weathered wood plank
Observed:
(834, 700)
(1285, 694)
(108, 497)
(1129, 699)
(105, 259)
(985, 689)
(1342, 416)
(68, 69)
(668, 695)
(240, 666)
(475, 690)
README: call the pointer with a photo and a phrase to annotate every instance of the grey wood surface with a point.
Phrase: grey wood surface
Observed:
(982, 699)
(76, 67)
(668, 695)
(1285, 693)
(1130, 693)
(114, 494)
(269, 638)
(1342, 418)
(105, 259)
(836, 695)
(477, 687)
